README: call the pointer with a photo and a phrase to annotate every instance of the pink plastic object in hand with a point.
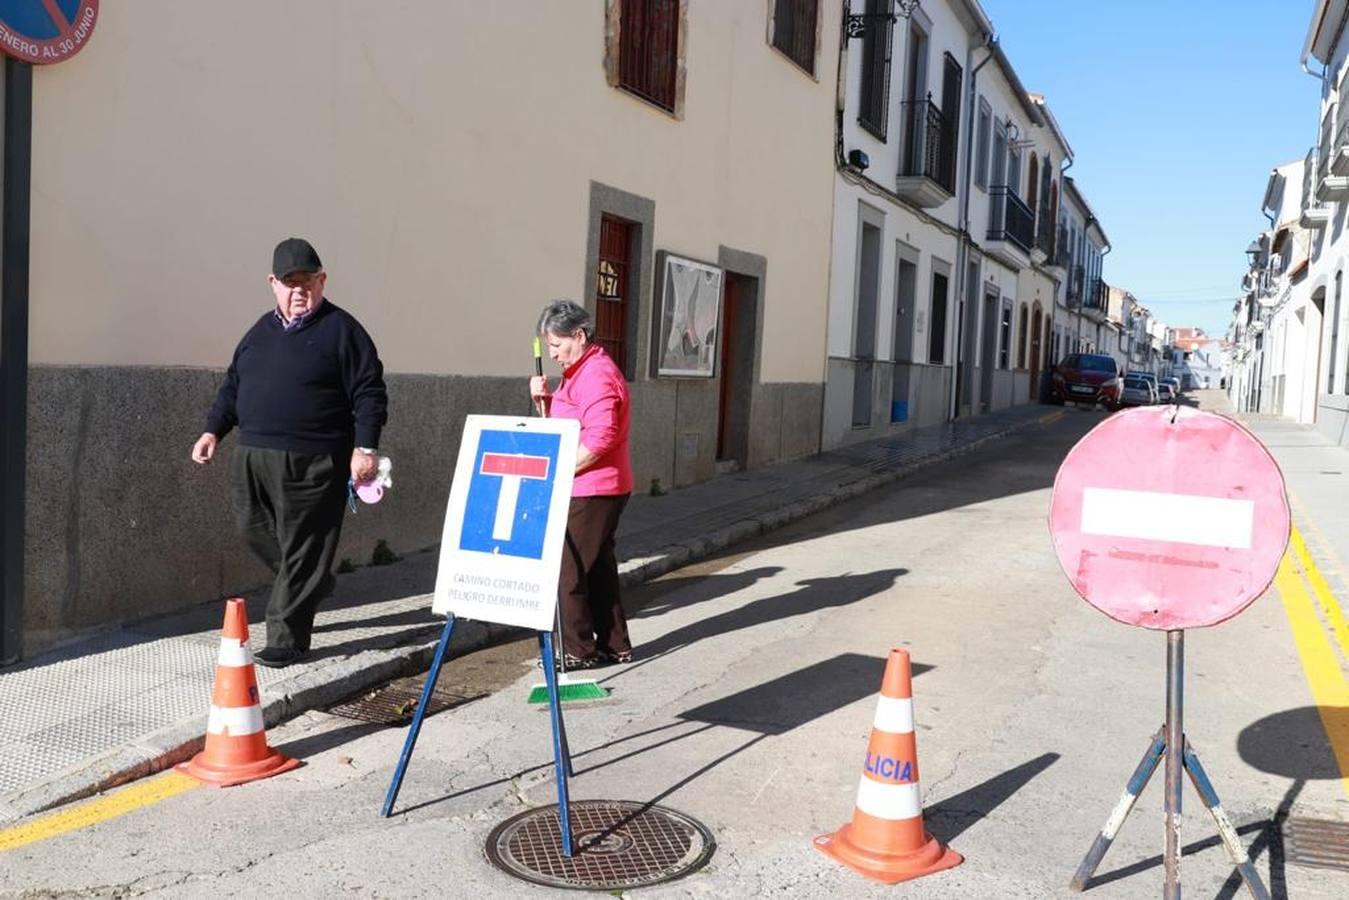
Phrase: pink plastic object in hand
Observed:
(370, 491)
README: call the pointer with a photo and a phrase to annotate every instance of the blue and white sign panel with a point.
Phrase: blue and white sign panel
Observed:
(507, 520)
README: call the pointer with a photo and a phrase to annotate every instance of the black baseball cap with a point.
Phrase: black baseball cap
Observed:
(295, 255)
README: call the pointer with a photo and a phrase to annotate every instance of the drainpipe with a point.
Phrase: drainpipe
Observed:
(962, 248)
(1063, 198)
(1104, 254)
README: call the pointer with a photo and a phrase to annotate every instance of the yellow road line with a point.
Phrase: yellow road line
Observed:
(1051, 418)
(1325, 547)
(1329, 689)
(119, 803)
(1329, 605)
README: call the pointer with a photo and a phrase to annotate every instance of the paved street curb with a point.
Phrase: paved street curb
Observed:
(322, 685)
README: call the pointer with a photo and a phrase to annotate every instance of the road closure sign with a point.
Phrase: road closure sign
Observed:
(43, 32)
(506, 521)
(1169, 517)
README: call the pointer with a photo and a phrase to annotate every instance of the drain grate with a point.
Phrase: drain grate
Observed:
(1321, 843)
(395, 704)
(620, 844)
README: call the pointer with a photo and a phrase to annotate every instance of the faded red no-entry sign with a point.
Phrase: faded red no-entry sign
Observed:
(1169, 517)
(46, 31)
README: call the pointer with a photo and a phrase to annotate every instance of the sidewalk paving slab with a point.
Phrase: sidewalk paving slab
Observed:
(130, 702)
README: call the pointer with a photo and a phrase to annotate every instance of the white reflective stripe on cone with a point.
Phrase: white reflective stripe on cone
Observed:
(889, 801)
(894, 715)
(234, 720)
(234, 653)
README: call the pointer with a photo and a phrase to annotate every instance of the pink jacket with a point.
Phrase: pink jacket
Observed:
(594, 393)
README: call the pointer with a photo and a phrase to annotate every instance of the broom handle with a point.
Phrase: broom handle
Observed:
(560, 657)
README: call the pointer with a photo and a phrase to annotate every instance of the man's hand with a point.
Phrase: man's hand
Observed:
(204, 449)
(364, 466)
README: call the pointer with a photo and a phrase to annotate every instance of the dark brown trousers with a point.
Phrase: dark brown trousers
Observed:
(588, 590)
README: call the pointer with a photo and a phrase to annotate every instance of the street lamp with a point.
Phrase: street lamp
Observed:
(855, 24)
(1254, 252)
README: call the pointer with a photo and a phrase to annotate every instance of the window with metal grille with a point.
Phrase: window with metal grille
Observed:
(648, 60)
(613, 289)
(874, 106)
(794, 30)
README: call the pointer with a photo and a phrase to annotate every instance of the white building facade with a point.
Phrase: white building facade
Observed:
(1320, 334)
(948, 281)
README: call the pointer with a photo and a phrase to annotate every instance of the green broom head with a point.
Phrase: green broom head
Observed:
(569, 690)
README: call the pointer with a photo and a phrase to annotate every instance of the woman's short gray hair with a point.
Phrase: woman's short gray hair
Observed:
(565, 318)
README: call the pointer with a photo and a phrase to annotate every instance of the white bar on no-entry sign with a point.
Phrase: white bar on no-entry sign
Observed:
(1158, 516)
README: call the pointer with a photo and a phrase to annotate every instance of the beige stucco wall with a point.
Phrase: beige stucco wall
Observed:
(439, 154)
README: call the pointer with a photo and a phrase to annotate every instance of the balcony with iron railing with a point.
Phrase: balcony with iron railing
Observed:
(1063, 254)
(1044, 233)
(1076, 286)
(1011, 227)
(1096, 297)
(1339, 150)
(927, 174)
(1329, 186)
(1315, 214)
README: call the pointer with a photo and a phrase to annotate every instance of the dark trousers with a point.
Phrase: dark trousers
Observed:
(592, 608)
(290, 507)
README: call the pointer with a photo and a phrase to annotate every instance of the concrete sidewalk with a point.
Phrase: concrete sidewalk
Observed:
(133, 701)
(1316, 473)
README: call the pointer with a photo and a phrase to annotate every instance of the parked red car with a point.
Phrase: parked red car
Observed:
(1089, 378)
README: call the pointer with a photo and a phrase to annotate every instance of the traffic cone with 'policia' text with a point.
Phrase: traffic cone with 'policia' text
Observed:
(886, 840)
(236, 745)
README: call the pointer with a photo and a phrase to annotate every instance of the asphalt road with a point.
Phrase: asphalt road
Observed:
(749, 708)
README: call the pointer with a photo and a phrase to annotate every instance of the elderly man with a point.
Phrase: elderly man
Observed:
(306, 390)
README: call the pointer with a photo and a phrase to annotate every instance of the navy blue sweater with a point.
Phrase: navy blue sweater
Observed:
(316, 389)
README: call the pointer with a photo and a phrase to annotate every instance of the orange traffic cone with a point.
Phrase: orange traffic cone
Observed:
(236, 745)
(886, 839)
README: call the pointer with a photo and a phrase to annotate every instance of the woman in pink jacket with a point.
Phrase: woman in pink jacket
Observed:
(594, 392)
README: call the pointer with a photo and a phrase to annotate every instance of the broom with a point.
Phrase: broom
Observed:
(568, 688)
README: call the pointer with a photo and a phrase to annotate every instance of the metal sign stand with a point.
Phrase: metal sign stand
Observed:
(1170, 742)
(562, 766)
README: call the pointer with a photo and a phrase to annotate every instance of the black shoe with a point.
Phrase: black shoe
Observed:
(278, 657)
(621, 658)
(579, 662)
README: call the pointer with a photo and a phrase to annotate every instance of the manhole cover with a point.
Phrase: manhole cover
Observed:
(1318, 842)
(620, 844)
(394, 704)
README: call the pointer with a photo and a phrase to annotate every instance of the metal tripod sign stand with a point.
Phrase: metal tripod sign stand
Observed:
(1189, 543)
(500, 555)
(562, 765)
(1169, 743)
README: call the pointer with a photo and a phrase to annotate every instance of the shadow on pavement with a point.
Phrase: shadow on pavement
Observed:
(676, 592)
(793, 699)
(1294, 743)
(814, 594)
(778, 706)
(948, 819)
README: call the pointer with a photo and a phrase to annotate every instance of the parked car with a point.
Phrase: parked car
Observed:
(1089, 378)
(1165, 393)
(1136, 391)
(1151, 379)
